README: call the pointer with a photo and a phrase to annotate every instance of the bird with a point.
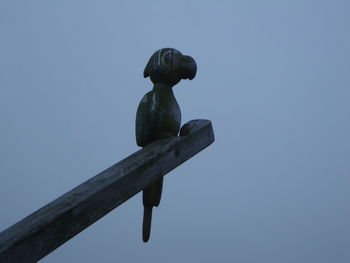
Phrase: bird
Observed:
(158, 114)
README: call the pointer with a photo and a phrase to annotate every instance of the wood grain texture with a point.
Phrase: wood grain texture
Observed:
(38, 234)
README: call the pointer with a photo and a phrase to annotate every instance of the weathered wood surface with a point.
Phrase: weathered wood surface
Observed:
(38, 234)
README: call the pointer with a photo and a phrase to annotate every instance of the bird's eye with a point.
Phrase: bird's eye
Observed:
(167, 58)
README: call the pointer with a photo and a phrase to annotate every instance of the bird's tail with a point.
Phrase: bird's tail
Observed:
(147, 220)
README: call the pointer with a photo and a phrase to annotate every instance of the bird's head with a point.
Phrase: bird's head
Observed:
(168, 66)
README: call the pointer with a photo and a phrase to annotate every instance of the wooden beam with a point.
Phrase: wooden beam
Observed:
(40, 233)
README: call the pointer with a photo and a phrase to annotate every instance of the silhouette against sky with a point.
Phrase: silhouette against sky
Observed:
(272, 76)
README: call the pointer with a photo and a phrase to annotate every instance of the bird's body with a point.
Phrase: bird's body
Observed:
(158, 115)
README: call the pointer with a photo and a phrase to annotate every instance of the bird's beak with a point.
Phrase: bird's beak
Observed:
(188, 68)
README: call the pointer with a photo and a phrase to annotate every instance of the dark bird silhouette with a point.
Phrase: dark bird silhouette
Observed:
(158, 114)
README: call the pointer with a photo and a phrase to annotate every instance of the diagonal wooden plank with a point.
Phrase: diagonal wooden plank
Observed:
(38, 234)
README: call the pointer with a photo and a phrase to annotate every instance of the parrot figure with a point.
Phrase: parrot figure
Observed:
(158, 115)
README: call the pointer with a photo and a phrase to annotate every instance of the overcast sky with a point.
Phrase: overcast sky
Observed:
(273, 77)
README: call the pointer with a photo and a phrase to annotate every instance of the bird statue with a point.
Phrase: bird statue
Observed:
(158, 115)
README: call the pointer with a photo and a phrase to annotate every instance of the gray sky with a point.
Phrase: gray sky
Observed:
(273, 77)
